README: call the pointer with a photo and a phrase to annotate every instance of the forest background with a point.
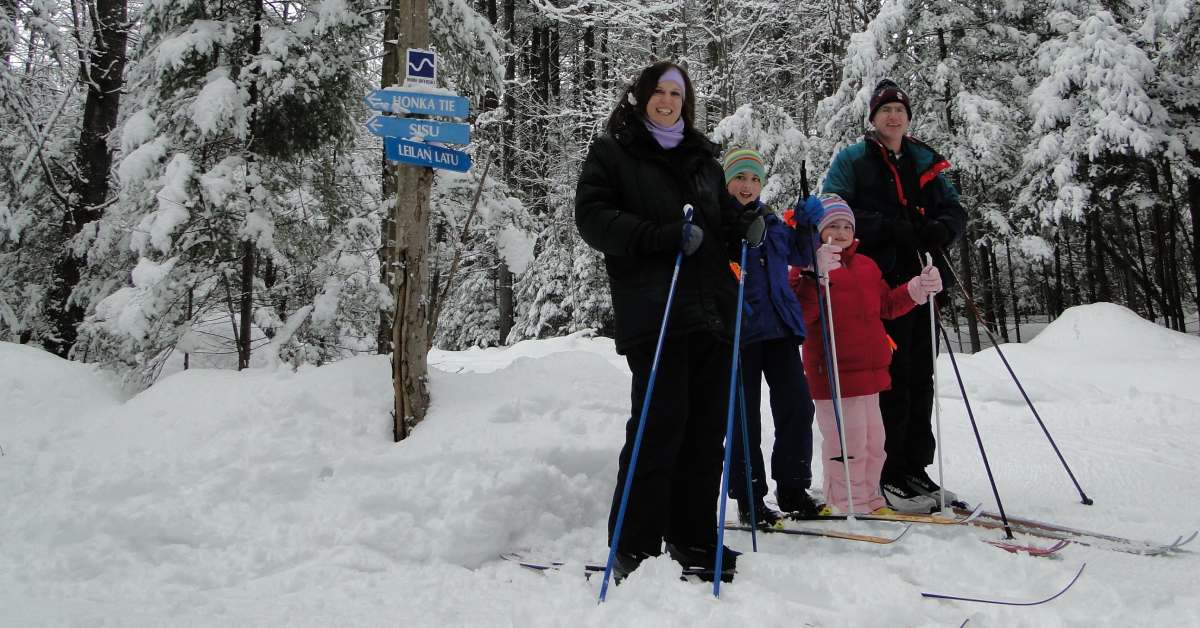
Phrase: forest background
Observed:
(189, 183)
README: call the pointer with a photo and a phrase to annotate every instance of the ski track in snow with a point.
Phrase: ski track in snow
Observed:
(276, 498)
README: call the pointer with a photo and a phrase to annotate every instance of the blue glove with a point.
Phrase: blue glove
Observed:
(813, 211)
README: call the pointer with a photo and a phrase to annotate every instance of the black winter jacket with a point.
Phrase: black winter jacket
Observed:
(883, 190)
(629, 206)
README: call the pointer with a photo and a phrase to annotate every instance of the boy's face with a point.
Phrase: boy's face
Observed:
(840, 232)
(745, 187)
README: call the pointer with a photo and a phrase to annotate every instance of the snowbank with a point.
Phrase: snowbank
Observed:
(276, 498)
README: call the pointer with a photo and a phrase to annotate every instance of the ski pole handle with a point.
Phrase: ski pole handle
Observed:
(688, 211)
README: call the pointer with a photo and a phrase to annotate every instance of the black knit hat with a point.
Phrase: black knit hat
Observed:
(887, 91)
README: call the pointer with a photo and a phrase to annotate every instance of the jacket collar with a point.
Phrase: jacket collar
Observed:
(848, 252)
(635, 135)
(927, 160)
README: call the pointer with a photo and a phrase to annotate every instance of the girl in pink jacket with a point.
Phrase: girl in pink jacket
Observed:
(860, 300)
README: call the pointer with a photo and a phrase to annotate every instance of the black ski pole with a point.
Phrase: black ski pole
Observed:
(753, 501)
(978, 439)
(1084, 499)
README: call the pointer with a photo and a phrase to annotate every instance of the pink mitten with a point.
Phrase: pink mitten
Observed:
(828, 259)
(916, 292)
(931, 280)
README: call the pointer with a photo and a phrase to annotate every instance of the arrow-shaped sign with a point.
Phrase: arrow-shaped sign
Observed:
(401, 101)
(420, 154)
(426, 130)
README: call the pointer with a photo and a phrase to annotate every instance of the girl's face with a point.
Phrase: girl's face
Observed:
(666, 104)
(840, 231)
(745, 187)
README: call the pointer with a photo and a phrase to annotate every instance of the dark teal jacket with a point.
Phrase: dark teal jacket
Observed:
(882, 190)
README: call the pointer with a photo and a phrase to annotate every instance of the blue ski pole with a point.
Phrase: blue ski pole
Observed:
(733, 370)
(641, 428)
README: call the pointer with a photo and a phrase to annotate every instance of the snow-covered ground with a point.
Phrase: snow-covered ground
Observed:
(276, 498)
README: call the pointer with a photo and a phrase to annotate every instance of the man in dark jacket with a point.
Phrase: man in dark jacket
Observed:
(904, 207)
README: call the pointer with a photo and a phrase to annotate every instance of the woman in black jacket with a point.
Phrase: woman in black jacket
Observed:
(635, 182)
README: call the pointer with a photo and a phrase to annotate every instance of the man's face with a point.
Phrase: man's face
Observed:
(891, 121)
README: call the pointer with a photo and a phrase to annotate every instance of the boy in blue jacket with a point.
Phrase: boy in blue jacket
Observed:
(772, 331)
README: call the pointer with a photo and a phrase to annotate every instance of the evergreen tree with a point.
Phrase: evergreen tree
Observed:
(223, 96)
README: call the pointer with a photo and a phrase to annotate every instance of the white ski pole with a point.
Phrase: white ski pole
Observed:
(937, 404)
(837, 391)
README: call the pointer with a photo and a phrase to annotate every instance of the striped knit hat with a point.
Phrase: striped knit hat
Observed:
(744, 160)
(834, 208)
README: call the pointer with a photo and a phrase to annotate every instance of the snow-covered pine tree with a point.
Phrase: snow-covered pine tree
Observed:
(40, 116)
(771, 131)
(499, 233)
(223, 98)
(871, 55)
(1172, 31)
(1094, 124)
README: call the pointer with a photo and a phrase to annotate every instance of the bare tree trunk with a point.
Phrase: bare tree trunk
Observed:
(504, 300)
(1057, 295)
(1143, 265)
(1176, 230)
(1073, 280)
(1193, 203)
(1098, 281)
(968, 282)
(10, 11)
(102, 71)
(1012, 286)
(1174, 287)
(987, 285)
(391, 73)
(508, 138)
(248, 252)
(410, 328)
(998, 295)
(245, 302)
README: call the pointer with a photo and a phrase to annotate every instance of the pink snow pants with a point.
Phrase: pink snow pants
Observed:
(863, 426)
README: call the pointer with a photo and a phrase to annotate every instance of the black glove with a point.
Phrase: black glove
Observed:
(903, 234)
(693, 235)
(935, 235)
(752, 228)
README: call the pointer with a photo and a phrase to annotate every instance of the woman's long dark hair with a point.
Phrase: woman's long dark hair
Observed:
(642, 89)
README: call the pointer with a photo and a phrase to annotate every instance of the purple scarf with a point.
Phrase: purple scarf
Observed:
(667, 136)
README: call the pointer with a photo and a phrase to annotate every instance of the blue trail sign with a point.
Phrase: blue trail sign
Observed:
(428, 130)
(422, 67)
(402, 101)
(419, 154)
